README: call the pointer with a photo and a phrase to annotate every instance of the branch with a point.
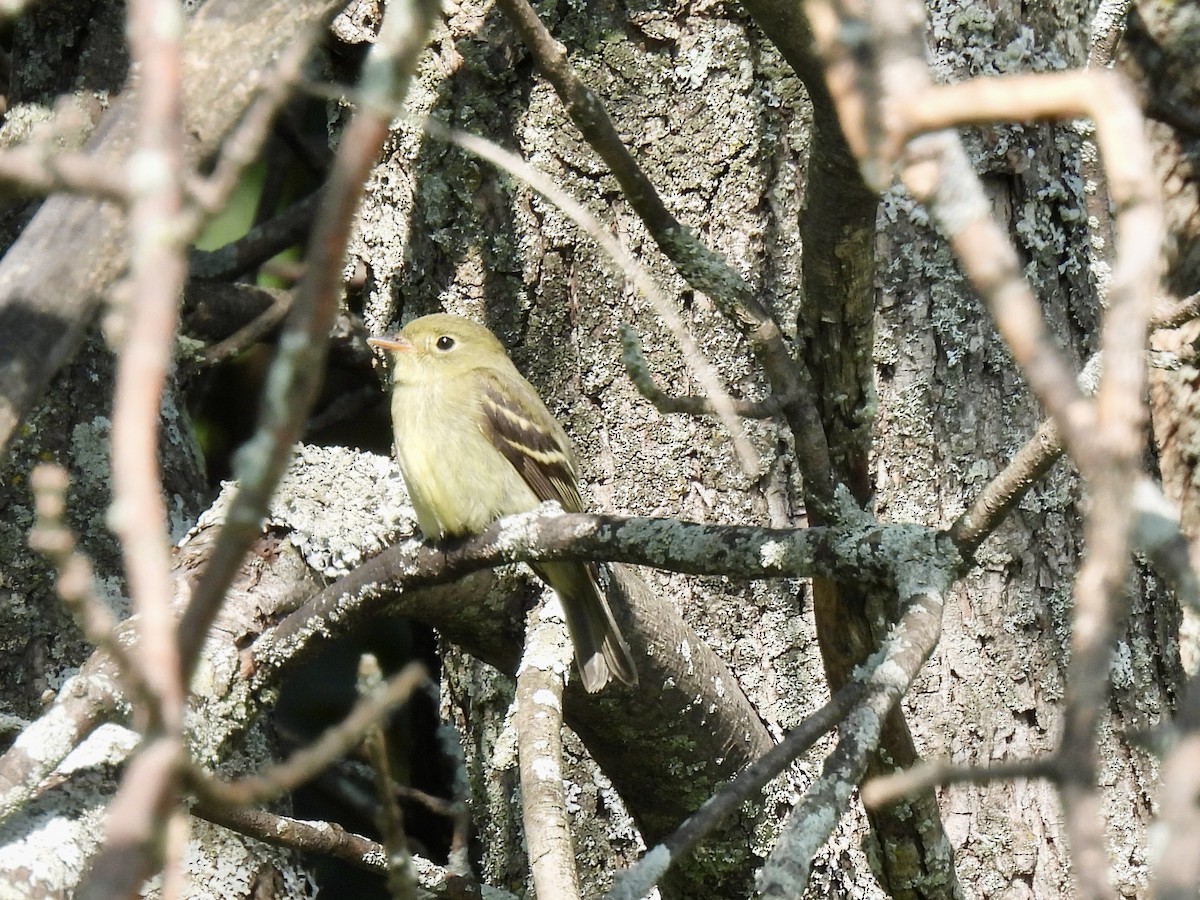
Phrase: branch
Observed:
(686, 696)
(637, 881)
(539, 722)
(85, 702)
(895, 787)
(638, 371)
(333, 744)
(330, 839)
(133, 846)
(139, 515)
(401, 877)
(75, 586)
(286, 229)
(910, 643)
(43, 170)
(867, 556)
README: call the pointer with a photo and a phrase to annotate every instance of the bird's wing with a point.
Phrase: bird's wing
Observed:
(523, 430)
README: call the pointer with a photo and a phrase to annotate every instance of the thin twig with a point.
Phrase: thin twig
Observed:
(1040, 452)
(307, 762)
(330, 839)
(147, 796)
(636, 881)
(1108, 25)
(51, 536)
(1027, 467)
(401, 878)
(39, 170)
(139, 515)
(131, 848)
(1172, 315)
(249, 333)
(895, 787)
(1177, 871)
(286, 229)
(639, 373)
(324, 838)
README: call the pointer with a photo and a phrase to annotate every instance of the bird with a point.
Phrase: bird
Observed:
(475, 442)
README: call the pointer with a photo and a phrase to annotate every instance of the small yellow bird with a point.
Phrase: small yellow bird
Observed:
(475, 442)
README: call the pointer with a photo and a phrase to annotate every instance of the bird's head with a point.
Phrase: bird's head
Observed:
(441, 346)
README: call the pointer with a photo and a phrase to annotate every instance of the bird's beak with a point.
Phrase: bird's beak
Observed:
(397, 343)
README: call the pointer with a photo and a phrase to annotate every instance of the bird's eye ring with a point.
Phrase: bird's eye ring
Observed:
(445, 342)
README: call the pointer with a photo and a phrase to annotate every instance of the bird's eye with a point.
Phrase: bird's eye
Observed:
(445, 342)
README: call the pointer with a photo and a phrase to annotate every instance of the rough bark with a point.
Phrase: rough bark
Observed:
(952, 411)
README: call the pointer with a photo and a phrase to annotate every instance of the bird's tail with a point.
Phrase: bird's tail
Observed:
(600, 651)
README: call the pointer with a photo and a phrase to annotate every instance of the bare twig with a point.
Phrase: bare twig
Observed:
(51, 536)
(324, 838)
(639, 373)
(1028, 465)
(176, 830)
(248, 334)
(296, 373)
(40, 170)
(1177, 872)
(635, 882)
(330, 839)
(1172, 315)
(912, 639)
(132, 847)
(307, 762)
(1107, 27)
(539, 724)
(401, 878)
(1041, 451)
(134, 822)
(286, 229)
(139, 514)
(892, 788)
